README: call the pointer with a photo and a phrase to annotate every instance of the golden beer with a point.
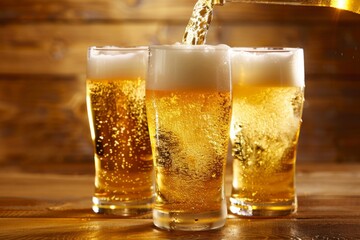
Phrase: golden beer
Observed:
(268, 95)
(199, 23)
(189, 148)
(116, 109)
(189, 117)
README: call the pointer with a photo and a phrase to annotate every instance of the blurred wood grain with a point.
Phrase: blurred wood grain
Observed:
(43, 47)
(110, 10)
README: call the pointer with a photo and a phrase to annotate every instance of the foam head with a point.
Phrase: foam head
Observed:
(115, 62)
(282, 67)
(180, 66)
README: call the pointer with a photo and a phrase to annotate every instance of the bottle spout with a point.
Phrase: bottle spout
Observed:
(349, 5)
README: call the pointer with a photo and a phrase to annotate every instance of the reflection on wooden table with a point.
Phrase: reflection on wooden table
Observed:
(57, 205)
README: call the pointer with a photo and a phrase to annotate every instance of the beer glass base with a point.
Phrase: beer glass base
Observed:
(273, 209)
(125, 209)
(189, 221)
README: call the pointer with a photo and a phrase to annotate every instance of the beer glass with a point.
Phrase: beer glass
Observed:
(268, 96)
(188, 100)
(115, 96)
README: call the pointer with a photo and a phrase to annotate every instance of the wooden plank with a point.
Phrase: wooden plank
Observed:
(43, 118)
(323, 190)
(50, 228)
(60, 48)
(327, 50)
(36, 205)
(330, 126)
(337, 100)
(104, 10)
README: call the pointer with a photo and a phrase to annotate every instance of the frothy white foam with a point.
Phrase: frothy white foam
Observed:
(181, 66)
(114, 62)
(268, 67)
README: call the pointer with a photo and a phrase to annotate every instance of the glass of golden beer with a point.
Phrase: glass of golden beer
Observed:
(188, 100)
(115, 96)
(268, 96)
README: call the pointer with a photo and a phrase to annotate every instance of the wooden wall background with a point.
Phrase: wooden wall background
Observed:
(43, 48)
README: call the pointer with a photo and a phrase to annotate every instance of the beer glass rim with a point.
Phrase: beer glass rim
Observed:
(118, 48)
(184, 47)
(266, 49)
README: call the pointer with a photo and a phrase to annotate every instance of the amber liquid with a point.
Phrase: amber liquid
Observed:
(264, 133)
(199, 23)
(189, 134)
(119, 131)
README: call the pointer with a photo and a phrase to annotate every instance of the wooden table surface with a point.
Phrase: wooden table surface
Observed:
(54, 202)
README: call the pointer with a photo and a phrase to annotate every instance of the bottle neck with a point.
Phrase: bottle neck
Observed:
(350, 5)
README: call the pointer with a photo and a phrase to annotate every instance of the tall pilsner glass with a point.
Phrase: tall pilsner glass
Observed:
(115, 94)
(188, 100)
(268, 91)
